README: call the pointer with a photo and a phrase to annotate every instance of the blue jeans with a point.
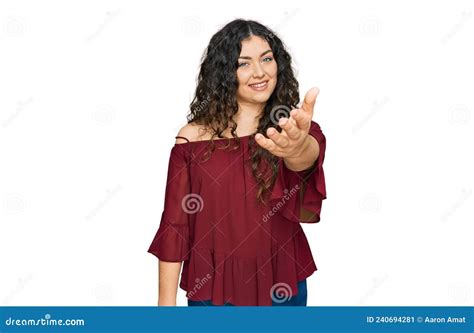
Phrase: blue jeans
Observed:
(297, 300)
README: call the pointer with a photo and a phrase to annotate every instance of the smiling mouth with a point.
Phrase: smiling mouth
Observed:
(259, 86)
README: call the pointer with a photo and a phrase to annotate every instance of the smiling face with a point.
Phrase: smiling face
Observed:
(256, 72)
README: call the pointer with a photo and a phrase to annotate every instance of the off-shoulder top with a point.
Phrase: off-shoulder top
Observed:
(234, 248)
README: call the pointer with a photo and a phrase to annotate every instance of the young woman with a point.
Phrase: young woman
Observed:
(243, 175)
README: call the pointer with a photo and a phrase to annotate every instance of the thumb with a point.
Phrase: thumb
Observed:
(310, 100)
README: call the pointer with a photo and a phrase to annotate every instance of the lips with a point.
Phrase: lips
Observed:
(259, 86)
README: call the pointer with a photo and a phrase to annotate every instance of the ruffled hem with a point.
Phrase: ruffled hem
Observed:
(171, 243)
(225, 278)
(286, 197)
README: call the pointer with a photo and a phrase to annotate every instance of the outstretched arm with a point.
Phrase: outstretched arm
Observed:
(298, 149)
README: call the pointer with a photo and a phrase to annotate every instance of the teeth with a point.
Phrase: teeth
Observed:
(259, 85)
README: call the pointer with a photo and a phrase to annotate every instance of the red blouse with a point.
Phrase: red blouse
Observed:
(234, 248)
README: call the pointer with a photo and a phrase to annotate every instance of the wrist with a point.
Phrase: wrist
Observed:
(296, 162)
(166, 301)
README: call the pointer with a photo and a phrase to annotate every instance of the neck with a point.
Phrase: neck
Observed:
(248, 114)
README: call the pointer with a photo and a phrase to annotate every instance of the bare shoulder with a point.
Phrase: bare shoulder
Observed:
(192, 132)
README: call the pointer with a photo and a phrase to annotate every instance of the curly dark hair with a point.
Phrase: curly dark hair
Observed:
(215, 101)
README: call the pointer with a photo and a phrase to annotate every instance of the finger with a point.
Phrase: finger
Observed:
(290, 128)
(310, 100)
(302, 119)
(264, 142)
(279, 139)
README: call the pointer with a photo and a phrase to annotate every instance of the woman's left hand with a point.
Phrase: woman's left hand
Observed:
(291, 141)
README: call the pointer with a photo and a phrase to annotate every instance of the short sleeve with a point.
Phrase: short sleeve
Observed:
(298, 195)
(171, 241)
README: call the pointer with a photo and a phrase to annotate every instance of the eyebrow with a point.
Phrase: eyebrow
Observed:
(245, 57)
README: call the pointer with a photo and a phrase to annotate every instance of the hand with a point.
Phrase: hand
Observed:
(293, 138)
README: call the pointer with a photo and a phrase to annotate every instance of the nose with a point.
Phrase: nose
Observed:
(258, 71)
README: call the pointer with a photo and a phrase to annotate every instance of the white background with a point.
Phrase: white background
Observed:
(93, 93)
